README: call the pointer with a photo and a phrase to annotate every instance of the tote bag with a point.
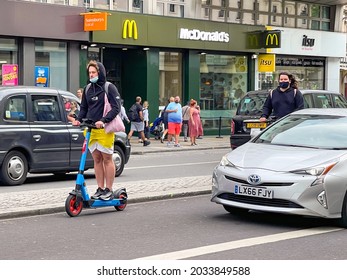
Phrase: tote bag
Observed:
(116, 125)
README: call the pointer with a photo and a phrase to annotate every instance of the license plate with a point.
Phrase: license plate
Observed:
(256, 125)
(254, 192)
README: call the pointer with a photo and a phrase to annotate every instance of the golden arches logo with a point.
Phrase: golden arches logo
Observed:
(130, 29)
(253, 40)
(272, 37)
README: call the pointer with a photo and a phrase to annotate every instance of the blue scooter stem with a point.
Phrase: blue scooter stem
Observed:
(80, 177)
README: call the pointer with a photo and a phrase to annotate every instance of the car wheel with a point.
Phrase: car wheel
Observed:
(235, 210)
(14, 169)
(343, 219)
(118, 159)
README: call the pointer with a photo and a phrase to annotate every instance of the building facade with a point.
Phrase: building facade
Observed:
(157, 49)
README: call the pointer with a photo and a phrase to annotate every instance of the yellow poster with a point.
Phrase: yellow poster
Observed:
(266, 62)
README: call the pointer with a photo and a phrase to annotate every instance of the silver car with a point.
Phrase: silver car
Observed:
(298, 165)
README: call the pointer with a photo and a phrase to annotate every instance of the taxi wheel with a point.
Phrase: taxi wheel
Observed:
(14, 169)
(118, 158)
(235, 210)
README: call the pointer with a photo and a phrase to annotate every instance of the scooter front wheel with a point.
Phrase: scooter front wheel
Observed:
(73, 205)
(122, 196)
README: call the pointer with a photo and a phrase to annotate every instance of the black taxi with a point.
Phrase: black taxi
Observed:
(37, 136)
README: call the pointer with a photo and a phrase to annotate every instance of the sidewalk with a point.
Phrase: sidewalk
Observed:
(38, 202)
(207, 142)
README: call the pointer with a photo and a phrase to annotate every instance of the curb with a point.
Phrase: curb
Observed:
(177, 150)
(61, 209)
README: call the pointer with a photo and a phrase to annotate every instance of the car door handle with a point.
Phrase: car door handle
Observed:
(37, 137)
(74, 137)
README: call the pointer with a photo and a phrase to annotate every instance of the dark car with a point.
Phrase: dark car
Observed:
(251, 106)
(37, 137)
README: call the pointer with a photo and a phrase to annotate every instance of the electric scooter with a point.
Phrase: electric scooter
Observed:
(79, 197)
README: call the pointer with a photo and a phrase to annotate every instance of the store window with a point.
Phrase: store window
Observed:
(53, 56)
(8, 54)
(170, 76)
(223, 81)
(309, 72)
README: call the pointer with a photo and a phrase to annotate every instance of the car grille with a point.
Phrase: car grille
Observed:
(264, 184)
(259, 201)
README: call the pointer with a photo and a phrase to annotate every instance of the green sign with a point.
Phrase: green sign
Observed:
(268, 39)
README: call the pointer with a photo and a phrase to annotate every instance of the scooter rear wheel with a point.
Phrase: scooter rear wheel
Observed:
(73, 205)
(122, 195)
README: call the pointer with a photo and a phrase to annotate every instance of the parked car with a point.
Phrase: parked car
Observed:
(295, 166)
(251, 106)
(36, 136)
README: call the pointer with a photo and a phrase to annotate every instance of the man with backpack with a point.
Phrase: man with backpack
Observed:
(135, 116)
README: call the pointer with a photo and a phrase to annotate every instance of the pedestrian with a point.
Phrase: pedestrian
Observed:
(164, 115)
(123, 114)
(136, 118)
(101, 143)
(285, 99)
(145, 121)
(185, 120)
(174, 110)
(195, 127)
(79, 94)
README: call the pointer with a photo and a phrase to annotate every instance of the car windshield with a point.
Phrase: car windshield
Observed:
(252, 105)
(313, 131)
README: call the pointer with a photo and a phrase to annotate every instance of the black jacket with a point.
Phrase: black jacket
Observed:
(92, 104)
(282, 103)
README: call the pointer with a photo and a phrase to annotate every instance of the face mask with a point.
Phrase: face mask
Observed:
(94, 80)
(284, 84)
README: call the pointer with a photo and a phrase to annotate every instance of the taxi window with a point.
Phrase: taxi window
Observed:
(252, 105)
(339, 101)
(15, 109)
(308, 101)
(45, 108)
(322, 101)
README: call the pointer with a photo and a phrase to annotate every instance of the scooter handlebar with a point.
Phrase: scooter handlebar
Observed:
(87, 123)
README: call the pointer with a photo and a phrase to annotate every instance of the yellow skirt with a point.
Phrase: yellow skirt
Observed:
(100, 136)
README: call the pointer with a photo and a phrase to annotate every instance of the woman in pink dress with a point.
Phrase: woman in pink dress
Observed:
(195, 127)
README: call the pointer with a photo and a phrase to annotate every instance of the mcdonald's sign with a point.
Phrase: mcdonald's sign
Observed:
(263, 39)
(130, 29)
(253, 40)
(272, 39)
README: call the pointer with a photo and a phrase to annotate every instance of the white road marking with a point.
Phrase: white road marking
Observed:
(170, 165)
(189, 253)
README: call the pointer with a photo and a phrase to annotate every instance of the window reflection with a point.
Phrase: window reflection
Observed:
(170, 76)
(223, 81)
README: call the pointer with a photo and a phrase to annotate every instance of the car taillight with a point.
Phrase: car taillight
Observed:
(232, 127)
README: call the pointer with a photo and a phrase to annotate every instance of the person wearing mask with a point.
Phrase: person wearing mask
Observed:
(101, 143)
(283, 100)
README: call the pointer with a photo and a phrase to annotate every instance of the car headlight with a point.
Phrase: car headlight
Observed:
(225, 162)
(316, 171)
